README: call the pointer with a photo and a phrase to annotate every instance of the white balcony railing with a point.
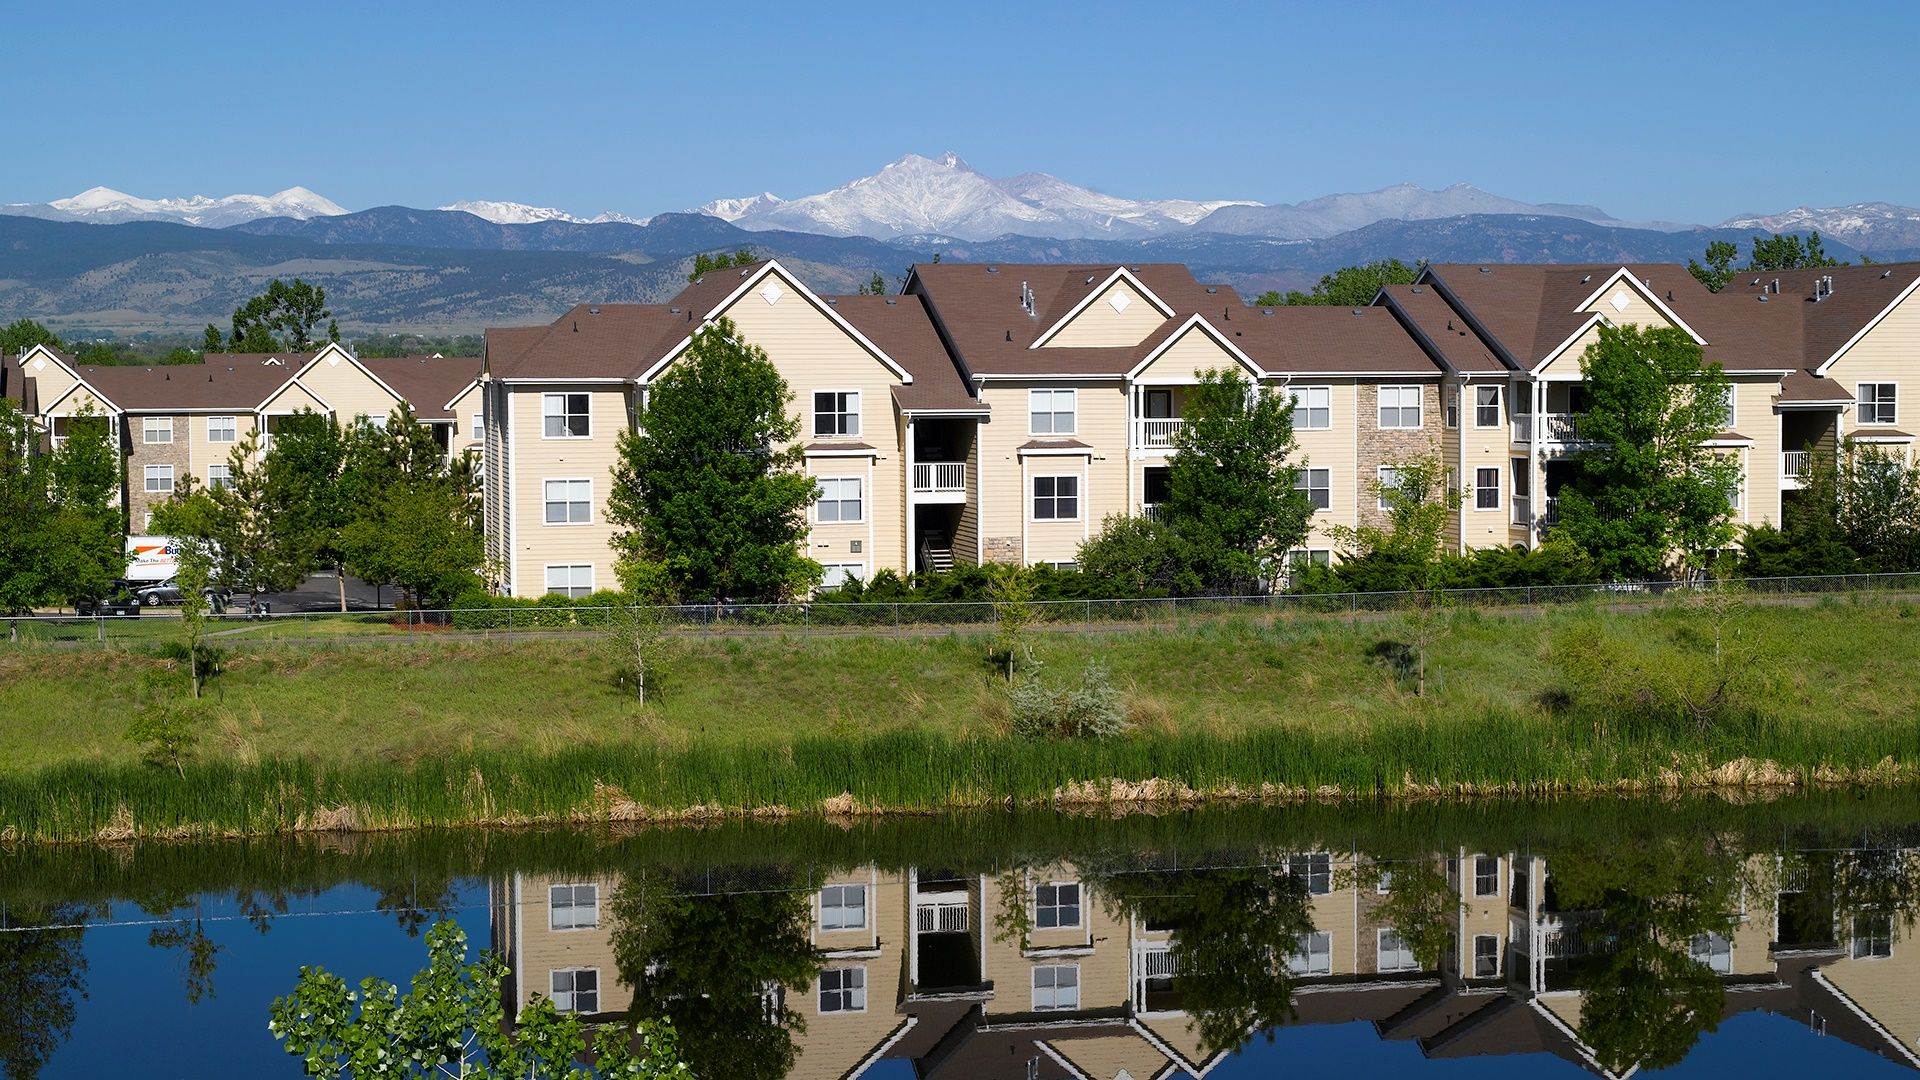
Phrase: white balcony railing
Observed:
(940, 476)
(1156, 432)
(1793, 464)
(1154, 511)
(1158, 964)
(1522, 510)
(941, 918)
(1552, 428)
(1523, 427)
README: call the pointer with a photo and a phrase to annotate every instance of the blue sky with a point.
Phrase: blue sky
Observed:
(1680, 111)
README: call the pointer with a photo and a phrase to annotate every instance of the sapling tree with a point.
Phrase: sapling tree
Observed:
(195, 579)
(641, 646)
(1011, 591)
(1421, 502)
(453, 1022)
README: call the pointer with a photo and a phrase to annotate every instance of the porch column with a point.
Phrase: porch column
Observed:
(913, 531)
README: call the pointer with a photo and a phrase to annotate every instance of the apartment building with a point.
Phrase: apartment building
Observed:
(1000, 413)
(924, 967)
(179, 420)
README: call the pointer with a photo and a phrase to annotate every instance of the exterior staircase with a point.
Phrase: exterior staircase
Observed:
(934, 558)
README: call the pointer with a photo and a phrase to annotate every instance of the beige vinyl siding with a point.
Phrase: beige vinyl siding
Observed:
(833, 542)
(51, 378)
(348, 387)
(815, 354)
(543, 950)
(203, 451)
(537, 459)
(1882, 987)
(80, 400)
(1484, 448)
(1753, 416)
(294, 397)
(1191, 354)
(834, 1042)
(1099, 326)
(497, 503)
(1334, 449)
(1890, 352)
(1635, 312)
(966, 535)
(1103, 972)
(465, 408)
(1007, 492)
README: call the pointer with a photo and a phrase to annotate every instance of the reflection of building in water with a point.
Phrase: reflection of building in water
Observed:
(1037, 974)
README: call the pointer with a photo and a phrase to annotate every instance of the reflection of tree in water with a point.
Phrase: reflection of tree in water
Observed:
(1421, 907)
(43, 971)
(1647, 1000)
(718, 965)
(416, 902)
(1233, 931)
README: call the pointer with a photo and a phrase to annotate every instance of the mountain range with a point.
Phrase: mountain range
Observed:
(104, 261)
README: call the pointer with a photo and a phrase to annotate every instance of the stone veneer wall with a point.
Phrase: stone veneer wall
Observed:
(1004, 549)
(140, 454)
(1377, 446)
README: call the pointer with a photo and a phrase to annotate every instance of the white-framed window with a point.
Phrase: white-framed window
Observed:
(569, 502)
(843, 990)
(1312, 954)
(1486, 488)
(1394, 953)
(1056, 905)
(570, 579)
(836, 412)
(1385, 884)
(1052, 412)
(1453, 407)
(1735, 497)
(1878, 402)
(573, 907)
(219, 476)
(479, 427)
(377, 423)
(1318, 484)
(1301, 558)
(1389, 476)
(566, 416)
(1727, 402)
(1315, 871)
(156, 429)
(1312, 407)
(1486, 956)
(1714, 951)
(843, 907)
(1056, 498)
(840, 573)
(1486, 875)
(1400, 406)
(1056, 986)
(1486, 406)
(575, 990)
(1872, 936)
(839, 500)
(222, 429)
(159, 479)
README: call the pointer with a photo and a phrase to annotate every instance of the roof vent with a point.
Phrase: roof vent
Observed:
(1586, 278)
(576, 326)
(1752, 283)
(1226, 315)
(1133, 269)
(1009, 335)
(1416, 289)
(1359, 311)
(1211, 290)
(1486, 269)
(1669, 296)
(1026, 299)
(835, 301)
(1886, 273)
(1776, 286)
(891, 301)
(744, 269)
(993, 269)
(1762, 298)
(1267, 311)
(673, 311)
(1089, 279)
(593, 311)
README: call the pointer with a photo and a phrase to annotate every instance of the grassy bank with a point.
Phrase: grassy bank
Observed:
(464, 732)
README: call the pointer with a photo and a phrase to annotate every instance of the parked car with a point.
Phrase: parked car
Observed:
(119, 602)
(168, 592)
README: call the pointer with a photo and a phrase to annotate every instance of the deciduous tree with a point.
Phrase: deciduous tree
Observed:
(282, 319)
(708, 494)
(1648, 497)
(1232, 506)
(1349, 286)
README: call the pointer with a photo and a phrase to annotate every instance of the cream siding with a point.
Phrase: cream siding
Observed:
(832, 1043)
(1890, 352)
(1754, 417)
(966, 535)
(294, 397)
(343, 383)
(51, 377)
(1099, 326)
(1882, 986)
(1006, 493)
(541, 950)
(538, 459)
(1483, 448)
(1192, 354)
(203, 451)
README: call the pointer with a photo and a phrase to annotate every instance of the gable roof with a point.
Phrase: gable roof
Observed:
(695, 297)
(220, 381)
(901, 326)
(1451, 336)
(589, 341)
(1119, 274)
(428, 383)
(1312, 339)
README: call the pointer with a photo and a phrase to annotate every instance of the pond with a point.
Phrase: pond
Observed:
(1697, 936)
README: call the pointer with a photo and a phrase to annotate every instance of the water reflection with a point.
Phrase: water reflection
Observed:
(1604, 938)
(1614, 958)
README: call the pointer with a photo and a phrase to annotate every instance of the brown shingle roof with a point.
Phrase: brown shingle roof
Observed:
(1859, 294)
(592, 341)
(1805, 386)
(426, 382)
(1459, 345)
(221, 381)
(1313, 339)
(901, 328)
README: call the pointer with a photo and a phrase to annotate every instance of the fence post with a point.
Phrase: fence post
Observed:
(1089, 614)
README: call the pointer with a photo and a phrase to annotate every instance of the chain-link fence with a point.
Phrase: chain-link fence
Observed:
(517, 621)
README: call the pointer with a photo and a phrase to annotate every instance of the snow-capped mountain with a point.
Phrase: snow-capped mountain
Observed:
(1330, 215)
(1869, 226)
(945, 196)
(513, 213)
(105, 206)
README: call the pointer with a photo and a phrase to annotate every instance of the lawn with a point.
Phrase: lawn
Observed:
(1297, 701)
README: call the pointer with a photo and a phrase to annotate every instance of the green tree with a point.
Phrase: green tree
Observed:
(1789, 252)
(453, 1022)
(705, 965)
(704, 263)
(211, 341)
(1718, 270)
(417, 535)
(256, 549)
(1131, 556)
(1410, 553)
(307, 490)
(282, 319)
(44, 968)
(1648, 496)
(1878, 507)
(1232, 506)
(85, 541)
(195, 578)
(1353, 286)
(709, 494)
(25, 513)
(1270, 298)
(23, 334)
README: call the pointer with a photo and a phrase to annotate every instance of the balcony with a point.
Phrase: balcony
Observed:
(1793, 466)
(1522, 510)
(1554, 429)
(946, 917)
(1156, 433)
(940, 481)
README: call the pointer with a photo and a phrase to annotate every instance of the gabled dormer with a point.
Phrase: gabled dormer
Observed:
(1117, 311)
